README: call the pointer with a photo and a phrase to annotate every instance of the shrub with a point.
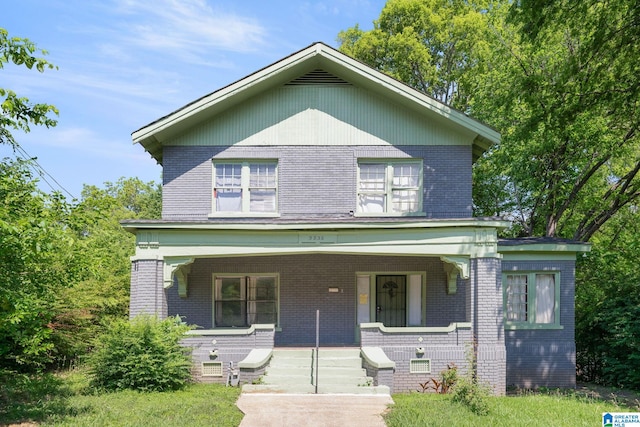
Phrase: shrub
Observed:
(442, 385)
(143, 354)
(472, 394)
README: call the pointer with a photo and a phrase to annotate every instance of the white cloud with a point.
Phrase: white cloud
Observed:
(84, 142)
(186, 27)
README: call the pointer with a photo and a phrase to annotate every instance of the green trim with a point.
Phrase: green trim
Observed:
(550, 248)
(232, 331)
(528, 326)
(133, 226)
(417, 330)
(531, 322)
(546, 256)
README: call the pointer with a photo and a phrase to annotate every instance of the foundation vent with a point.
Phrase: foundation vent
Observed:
(211, 369)
(420, 366)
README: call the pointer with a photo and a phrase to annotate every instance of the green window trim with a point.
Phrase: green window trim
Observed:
(389, 187)
(523, 307)
(242, 300)
(242, 187)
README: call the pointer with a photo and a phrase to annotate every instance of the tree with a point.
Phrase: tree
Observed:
(16, 112)
(565, 95)
(34, 254)
(431, 45)
(100, 292)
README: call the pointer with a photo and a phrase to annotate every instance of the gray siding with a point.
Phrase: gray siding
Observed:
(315, 180)
(544, 358)
(304, 283)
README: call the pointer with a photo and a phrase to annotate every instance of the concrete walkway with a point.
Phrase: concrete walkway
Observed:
(325, 410)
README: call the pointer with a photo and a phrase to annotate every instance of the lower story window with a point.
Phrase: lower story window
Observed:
(531, 299)
(241, 301)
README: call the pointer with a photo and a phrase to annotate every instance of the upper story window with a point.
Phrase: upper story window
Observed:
(531, 300)
(245, 187)
(389, 187)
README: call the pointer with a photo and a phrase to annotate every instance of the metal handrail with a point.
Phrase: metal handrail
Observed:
(317, 345)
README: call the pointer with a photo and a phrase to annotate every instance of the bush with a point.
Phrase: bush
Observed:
(472, 394)
(143, 354)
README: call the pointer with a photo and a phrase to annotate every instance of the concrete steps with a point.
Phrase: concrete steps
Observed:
(293, 371)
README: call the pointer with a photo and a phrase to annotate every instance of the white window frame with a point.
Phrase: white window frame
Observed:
(244, 298)
(531, 301)
(245, 188)
(389, 187)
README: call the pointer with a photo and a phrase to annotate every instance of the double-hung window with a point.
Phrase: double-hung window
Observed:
(245, 187)
(389, 187)
(531, 300)
(241, 301)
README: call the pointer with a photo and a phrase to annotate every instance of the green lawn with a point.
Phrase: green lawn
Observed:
(539, 409)
(67, 400)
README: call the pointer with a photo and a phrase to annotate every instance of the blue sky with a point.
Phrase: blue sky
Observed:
(125, 63)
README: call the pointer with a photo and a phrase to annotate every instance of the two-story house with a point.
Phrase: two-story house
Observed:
(320, 185)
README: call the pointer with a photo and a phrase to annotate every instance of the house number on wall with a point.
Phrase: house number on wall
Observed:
(317, 238)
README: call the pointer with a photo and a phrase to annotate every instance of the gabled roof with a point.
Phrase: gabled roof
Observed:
(314, 57)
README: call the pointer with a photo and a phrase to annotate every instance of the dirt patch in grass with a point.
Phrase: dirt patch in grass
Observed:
(620, 397)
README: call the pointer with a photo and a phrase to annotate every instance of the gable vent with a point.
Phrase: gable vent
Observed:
(318, 77)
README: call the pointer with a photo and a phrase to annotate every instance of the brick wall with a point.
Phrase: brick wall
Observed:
(317, 180)
(147, 293)
(488, 321)
(441, 348)
(304, 283)
(537, 358)
(230, 348)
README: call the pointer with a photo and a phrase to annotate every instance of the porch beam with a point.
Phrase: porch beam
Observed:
(454, 266)
(179, 268)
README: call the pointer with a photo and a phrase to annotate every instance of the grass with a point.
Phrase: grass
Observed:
(551, 407)
(67, 400)
(52, 400)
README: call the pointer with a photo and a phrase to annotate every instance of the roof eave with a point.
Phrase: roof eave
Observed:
(152, 136)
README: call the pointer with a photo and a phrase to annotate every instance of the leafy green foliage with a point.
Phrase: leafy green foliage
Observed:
(608, 306)
(444, 383)
(17, 112)
(102, 269)
(431, 45)
(566, 102)
(35, 250)
(143, 354)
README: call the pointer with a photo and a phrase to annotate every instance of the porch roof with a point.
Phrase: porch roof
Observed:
(311, 223)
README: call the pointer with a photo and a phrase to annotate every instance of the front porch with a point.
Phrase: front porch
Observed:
(417, 291)
(389, 360)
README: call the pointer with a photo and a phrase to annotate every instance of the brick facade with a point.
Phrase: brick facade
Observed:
(315, 180)
(541, 357)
